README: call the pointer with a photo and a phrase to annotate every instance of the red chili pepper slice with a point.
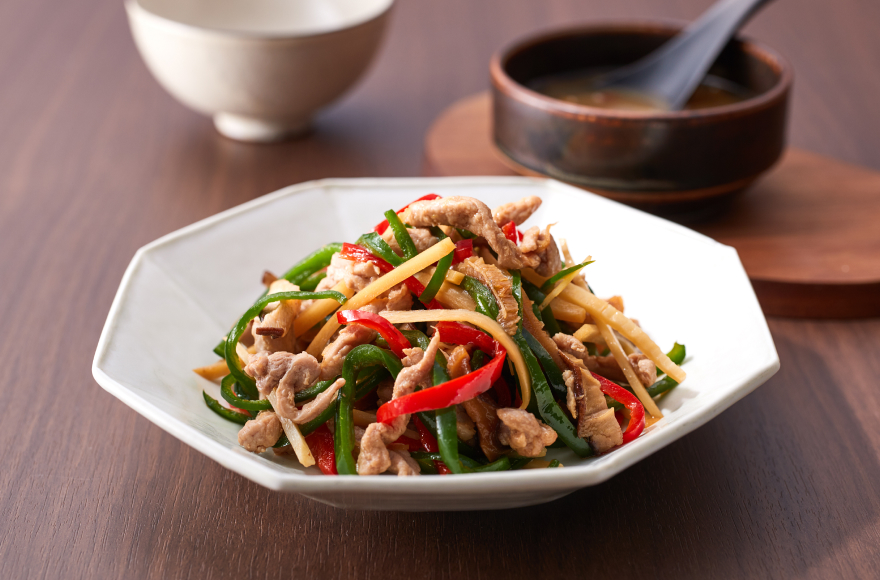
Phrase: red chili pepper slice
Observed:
(361, 254)
(511, 233)
(395, 339)
(464, 249)
(445, 394)
(429, 444)
(320, 441)
(458, 333)
(628, 400)
(383, 225)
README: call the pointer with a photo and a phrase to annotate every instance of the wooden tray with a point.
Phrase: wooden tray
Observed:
(808, 233)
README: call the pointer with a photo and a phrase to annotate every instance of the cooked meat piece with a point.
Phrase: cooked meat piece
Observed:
(374, 457)
(385, 391)
(459, 362)
(464, 426)
(421, 237)
(501, 285)
(398, 298)
(541, 251)
(280, 315)
(482, 411)
(295, 371)
(287, 408)
(516, 211)
(607, 366)
(260, 434)
(402, 464)
(356, 275)
(334, 353)
(596, 422)
(525, 434)
(466, 213)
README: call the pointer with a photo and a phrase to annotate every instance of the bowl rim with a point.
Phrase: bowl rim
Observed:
(134, 8)
(504, 83)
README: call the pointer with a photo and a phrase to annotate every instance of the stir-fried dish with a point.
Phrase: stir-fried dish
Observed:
(446, 341)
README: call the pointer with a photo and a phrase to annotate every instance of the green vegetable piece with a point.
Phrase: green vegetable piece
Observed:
(364, 388)
(232, 359)
(360, 357)
(220, 349)
(317, 260)
(554, 463)
(437, 279)
(676, 355)
(551, 370)
(227, 414)
(548, 285)
(312, 281)
(378, 246)
(537, 297)
(282, 441)
(483, 297)
(227, 393)
(401, 235)
(313, 391)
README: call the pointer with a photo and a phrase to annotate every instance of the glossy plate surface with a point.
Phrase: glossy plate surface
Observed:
(182, 292)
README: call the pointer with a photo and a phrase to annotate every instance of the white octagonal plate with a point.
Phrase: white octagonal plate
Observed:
(183, 291)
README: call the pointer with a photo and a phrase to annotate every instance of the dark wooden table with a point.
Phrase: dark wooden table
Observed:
(96, 160)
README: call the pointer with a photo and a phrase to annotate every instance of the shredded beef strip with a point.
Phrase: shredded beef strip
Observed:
(524, 433)
(374, 457)
(541, 252)
(596, 422)
(481, 409)
(260, 434)
(607, 366)
(469, 214)
(516, 211)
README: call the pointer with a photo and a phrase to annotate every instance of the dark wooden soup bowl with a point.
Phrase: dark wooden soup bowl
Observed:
(681, 162)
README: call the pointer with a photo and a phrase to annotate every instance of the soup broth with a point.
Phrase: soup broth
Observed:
(713, 92)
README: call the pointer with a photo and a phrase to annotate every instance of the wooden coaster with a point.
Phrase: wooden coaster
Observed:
(808, 232)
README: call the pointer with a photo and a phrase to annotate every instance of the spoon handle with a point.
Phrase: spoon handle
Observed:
(674, 71)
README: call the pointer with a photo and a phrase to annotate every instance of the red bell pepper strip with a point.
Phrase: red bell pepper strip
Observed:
(628, 400)
(383, 225)
(445, 394)
(361, 254)
(458, 333)
(395, 339)
(429, 444)
(511, 233)
(464, 249)
(320, 441)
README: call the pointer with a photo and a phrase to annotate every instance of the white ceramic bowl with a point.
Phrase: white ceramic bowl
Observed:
(261, 68)
(180, 295)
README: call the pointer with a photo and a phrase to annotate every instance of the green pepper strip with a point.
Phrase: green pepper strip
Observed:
(231, 398)
(378, 246)
(519, 462)
(220, 349)
(547, 406)
(248, 385)
(548, 285)
(401, 235)
(282, 441)
(312, 392)
(469, 465)
(364, 388)
(444, 425)
(439, 274)
(468, 235)
(554, 463)
(227, 414)
(365, 355)
(554, 374)
(312, 281)
(317, 260)
(484, 298)
(426, 465)
(546, 316)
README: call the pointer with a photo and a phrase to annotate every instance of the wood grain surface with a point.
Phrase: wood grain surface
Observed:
(96, 160)
(806, 232)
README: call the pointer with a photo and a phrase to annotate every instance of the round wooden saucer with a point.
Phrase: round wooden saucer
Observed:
(808, 232)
